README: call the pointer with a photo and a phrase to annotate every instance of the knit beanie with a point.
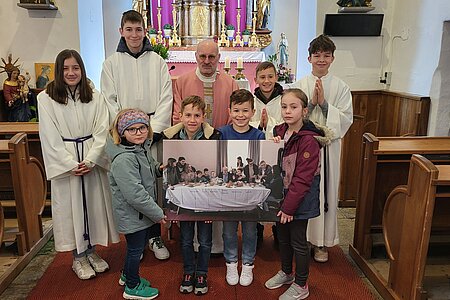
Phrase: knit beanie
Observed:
(131, 117)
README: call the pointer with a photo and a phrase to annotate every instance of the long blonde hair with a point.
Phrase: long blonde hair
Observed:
(114, 131)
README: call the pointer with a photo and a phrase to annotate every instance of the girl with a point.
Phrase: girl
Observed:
(73, 128)
(301, 191)
(133, 185)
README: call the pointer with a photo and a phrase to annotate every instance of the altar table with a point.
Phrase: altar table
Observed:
(215, 198)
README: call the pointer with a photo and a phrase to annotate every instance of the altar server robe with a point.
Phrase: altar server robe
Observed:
(323, 230)
(74, 120)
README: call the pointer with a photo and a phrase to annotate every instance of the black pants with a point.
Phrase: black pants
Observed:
(292, 242)
(155, 230)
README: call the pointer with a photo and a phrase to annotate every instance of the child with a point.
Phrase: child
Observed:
(206, 177)
(127, 82)
(241, 111)
(267, 99)
(133, 184)
(301, 167)
(73, 116)
(194, 127)
(330, 104)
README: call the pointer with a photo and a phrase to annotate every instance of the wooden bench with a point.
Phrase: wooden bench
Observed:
(384, 166)
(25, 174)
(410, 213)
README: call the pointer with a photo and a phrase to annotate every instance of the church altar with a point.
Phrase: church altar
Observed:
(183, 59)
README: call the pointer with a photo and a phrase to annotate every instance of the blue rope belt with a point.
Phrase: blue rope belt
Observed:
(79, 141)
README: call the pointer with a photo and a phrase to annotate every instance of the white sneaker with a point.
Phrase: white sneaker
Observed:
(97, 263)
(82, 268)
(295, 292)
(157, 246)
(246, 275)
(232, 273)
(320, 254)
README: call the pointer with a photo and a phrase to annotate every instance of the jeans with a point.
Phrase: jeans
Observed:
(292, 242)
(204, 236)
(88, 251)
(230, 241)
(136, 242)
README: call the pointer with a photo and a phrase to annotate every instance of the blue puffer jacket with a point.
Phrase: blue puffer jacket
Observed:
(132, 178)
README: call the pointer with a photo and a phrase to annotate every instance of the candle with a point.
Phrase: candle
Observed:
(240, 63)
(227, 63)
(159, 3)
(255, 7)
(238, 3)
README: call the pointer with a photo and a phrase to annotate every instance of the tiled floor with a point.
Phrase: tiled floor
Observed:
(437, 281)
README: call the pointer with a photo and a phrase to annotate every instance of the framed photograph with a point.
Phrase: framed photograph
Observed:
(44, 74)
(222, 180)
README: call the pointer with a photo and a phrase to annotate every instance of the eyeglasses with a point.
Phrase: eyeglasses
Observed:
(210, 57)
(134, 130)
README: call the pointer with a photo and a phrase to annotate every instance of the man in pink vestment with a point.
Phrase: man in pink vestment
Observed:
(206, 81)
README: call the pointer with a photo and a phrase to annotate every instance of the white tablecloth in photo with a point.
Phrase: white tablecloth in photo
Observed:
(189, 56)
(217, 198)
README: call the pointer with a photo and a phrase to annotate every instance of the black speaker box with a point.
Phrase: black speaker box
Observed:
(353, 24)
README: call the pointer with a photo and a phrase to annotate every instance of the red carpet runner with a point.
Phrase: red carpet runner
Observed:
(333, 280)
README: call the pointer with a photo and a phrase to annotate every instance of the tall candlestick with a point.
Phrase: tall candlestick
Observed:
(238, 3)
(240, 63)
(227, 63)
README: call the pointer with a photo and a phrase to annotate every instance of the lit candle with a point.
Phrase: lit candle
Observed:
(240, 63)
(159, 3)
(227, 63)
(238, 3)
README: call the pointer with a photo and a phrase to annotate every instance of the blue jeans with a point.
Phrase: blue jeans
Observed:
(136, 242)
(230, 241)
(204, 236)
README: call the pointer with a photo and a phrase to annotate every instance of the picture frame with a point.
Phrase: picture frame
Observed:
(255, 197)
(45, 73)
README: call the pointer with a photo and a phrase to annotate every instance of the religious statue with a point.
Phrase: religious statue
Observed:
(16, 101)
(283, 55)
(263, 13)
(352, 3)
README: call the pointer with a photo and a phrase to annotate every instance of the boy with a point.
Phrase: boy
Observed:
(241, 111)
(194, 127)
(136, 77)
(267, 99)
(331, 105)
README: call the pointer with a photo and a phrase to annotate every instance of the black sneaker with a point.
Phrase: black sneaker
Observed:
(187, 285)
(201, 285)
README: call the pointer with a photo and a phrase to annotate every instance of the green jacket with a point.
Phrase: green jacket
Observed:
(132, 179)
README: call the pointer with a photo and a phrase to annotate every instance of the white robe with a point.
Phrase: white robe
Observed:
(142, 82)
(273, 109)
(323, 230)
(74, 120)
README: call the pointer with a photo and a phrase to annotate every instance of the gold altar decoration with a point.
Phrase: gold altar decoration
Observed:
(237, 42)
(223, 41)
(199, 20)
(175, 40)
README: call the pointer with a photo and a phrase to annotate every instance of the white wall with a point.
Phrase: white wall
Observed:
(358, 59)
(112, 15)
(37, 36)
(284, 18)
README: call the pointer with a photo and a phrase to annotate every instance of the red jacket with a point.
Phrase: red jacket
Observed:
(301, 170)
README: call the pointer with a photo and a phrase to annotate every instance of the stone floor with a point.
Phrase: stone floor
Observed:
(27, 279)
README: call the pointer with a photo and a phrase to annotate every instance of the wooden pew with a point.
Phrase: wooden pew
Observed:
(384, 166)
(27, 177)
(408, 217)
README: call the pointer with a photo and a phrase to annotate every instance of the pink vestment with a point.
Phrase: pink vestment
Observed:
(189, 84)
